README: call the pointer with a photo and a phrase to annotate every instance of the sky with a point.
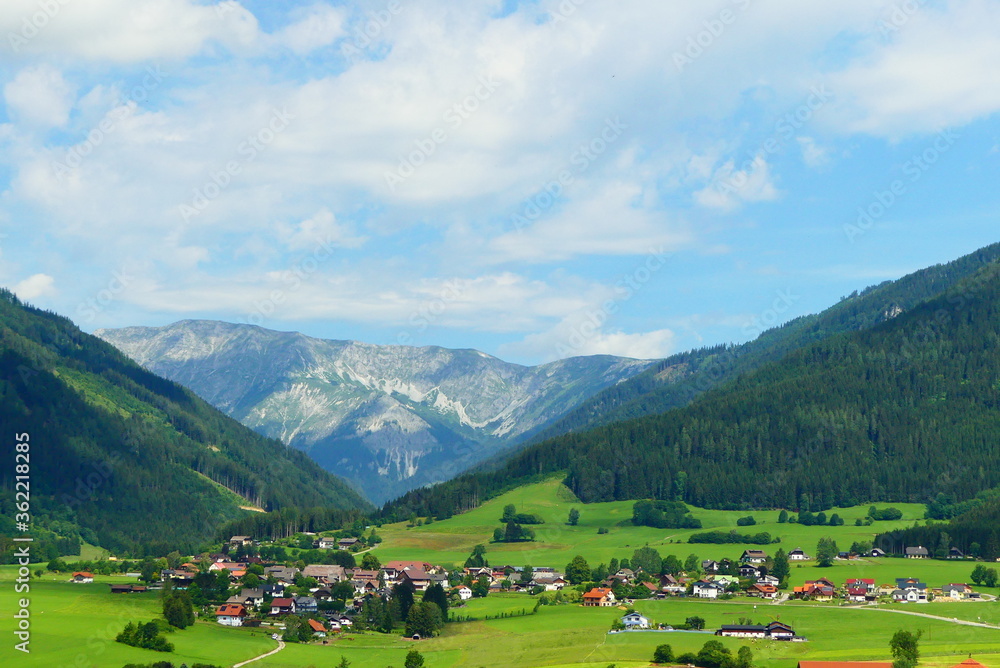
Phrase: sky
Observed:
(536, 180)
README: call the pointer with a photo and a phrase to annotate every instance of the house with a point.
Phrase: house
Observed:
(283, 574)
(876, 553)
(394, 569)
(240, 541)
(769, 580)
(817, 590)
(919, 552)
(709, 566)
(464, 593)
(634, 620)
(857, 594)
(868, 584)
(798, 554)
(230, 614)
(958, 592)
(273, 590)
(325, 574)
(326, 543)
(346, 543)
(702, 589)
(627, 575)
(778, 631)
(550, 581)
(306, 604)
(283, 606)
(317, 628)
(955, 553)
(753, 557)
(248, 598)
(751, 572)
(724, 580)
(599, 597)
(420, 580)
(769, 592)
(83, 577)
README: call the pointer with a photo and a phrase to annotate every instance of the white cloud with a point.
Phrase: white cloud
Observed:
(39, 285)
(321, 229)
(315, 27)
(585, 333)
(40, 97)
(813, 155)
(730, 187)
(937, 70)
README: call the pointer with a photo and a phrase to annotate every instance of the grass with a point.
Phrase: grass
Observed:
(75, 625)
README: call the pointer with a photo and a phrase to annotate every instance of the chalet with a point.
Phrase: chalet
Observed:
(763, 591)
(704, 589)
(325, 574)
(306, 604)
(634, 620)
(599, 598)
(958, 592)
(83, 577)
(346, 543)
(753, 557)
(464, 593)
(778, 631)
(317, 628)
(240, 541)
(955, 553)
(326, 543)
(857, 594)
(420, 580)
(769, 580)
(671, 585)
(273, 590)
(919, 552)
(283, 574)
(283, 606)
(626, 574)
(876, 553)
(230, 614)
(816, 590)
(248, 598)
(709, 566)
(867, 584)
(550, 581)
(751, 572)
(798, 554)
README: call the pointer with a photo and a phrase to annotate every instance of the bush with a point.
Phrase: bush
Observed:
(747, 521)
(663, 654)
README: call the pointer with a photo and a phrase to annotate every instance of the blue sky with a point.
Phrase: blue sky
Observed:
(532, 179)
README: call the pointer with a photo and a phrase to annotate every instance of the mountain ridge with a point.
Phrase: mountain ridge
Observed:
(389, 418)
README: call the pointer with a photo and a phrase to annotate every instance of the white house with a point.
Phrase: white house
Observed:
(706, 590)
(464, 593)
(634, 620)
(798, 554)
(230, 614)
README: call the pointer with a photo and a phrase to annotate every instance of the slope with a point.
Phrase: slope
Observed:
(679, 379)
(389, 418)
(125, 459)
(902, 411)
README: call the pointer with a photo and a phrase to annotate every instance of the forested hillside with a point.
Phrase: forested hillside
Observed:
(679, 379)
(902, 411)
(125, 459)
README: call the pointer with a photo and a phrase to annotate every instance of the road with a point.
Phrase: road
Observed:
(281, 646)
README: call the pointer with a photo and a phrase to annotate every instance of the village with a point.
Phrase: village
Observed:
(329, 598)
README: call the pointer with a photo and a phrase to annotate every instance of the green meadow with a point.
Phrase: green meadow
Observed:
(450, 541)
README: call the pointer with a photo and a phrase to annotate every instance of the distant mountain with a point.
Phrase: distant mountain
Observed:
(388, 418)
(903, 407)
(679, 379)
(123, 458)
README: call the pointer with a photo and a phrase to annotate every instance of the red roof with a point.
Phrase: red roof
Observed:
(971, 662)
(282, 603)
(316, 626)
(83, 574)
(230, 610)
(597, 593)
(845, 664)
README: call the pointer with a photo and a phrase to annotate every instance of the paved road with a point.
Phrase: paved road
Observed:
(281, 646)
(953, 620)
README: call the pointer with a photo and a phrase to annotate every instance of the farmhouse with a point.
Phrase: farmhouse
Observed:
(240, 541)
(127, 589)
(774, 630)
(919, 552)
(325, 574)
(798, 555)
(753, 557)
(326, 543)
(83, 577)
(599, 598)
(346, 543)
(230, 614)
(317, 627)
(634, 620)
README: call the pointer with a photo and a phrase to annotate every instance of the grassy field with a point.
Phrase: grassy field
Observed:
(450, 541)
(75, 625)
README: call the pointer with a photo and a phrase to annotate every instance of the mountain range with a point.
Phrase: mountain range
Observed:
(387, 418)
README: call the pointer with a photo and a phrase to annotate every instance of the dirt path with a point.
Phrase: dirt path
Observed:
(281, 646)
